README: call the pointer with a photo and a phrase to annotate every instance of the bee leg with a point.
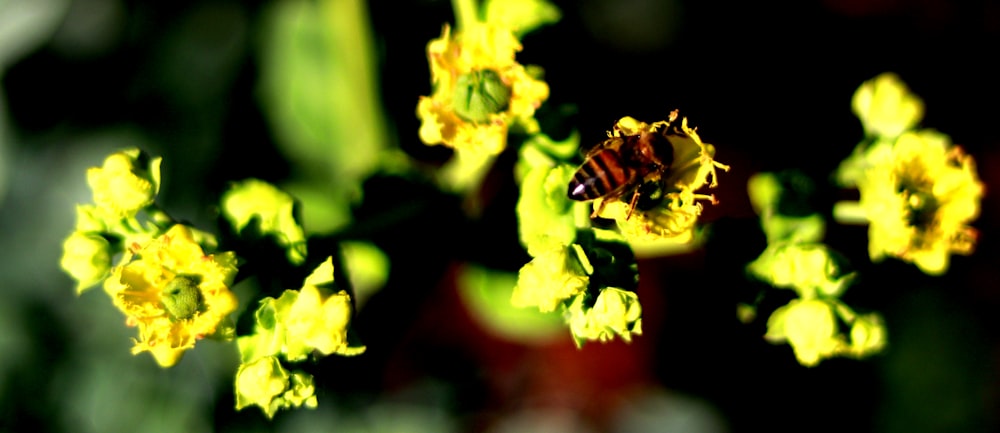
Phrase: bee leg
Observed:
(597, 210)
(631, 204)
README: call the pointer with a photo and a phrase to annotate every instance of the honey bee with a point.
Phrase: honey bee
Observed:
(622, 165)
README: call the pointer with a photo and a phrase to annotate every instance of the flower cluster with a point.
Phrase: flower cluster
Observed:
(919, 199)
(565, 280)
(299, 323)
(919, 193)
(809, 323)
(125, 184)
(588, 273)
(168, 287)
(174, 293)
(797, 260)
(174, 287)
(583, 218)
(676, 212)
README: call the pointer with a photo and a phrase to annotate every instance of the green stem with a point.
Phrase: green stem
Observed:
(846, 313)
(159, 217)
(466, 13)
(849, 212)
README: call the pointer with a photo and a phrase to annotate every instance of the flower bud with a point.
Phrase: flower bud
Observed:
(86, 258)
(181, 297)
(867, 335)
(126, 183)
(886, 107)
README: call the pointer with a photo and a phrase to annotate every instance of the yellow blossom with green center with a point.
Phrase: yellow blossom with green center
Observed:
(615, 312)
(263, 382)
(550, 278)
(919, 200)
(692, 168)
(127, 182)
(174, 294)
(272, 209)
(479, 89)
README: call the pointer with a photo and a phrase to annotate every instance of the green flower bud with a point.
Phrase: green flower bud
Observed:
(86, 258)
(479, 94)
(181, 297)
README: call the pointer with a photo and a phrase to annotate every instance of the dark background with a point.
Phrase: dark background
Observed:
(769, 84)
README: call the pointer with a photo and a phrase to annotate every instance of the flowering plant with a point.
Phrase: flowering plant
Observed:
(500, 241)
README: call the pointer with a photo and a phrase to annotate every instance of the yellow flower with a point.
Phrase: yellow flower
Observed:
(693, 167)
(126, 183)
(546, 217)
(272, 209)
(174, 293)
(550, 278)
(265, 383)
(919, 200)
(479, 90)
(886, 107)
(809, 326)
(808, 268)
(615, 312)
(318, 320)
(315, 317)
(868, 335)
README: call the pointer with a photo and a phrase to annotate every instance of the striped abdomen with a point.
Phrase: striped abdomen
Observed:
(601, 174)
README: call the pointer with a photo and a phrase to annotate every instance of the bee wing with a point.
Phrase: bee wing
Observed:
(611, 143)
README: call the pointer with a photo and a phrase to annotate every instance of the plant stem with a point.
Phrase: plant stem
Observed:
(466, 13)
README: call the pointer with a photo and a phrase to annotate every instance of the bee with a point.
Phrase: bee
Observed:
(620, 166)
